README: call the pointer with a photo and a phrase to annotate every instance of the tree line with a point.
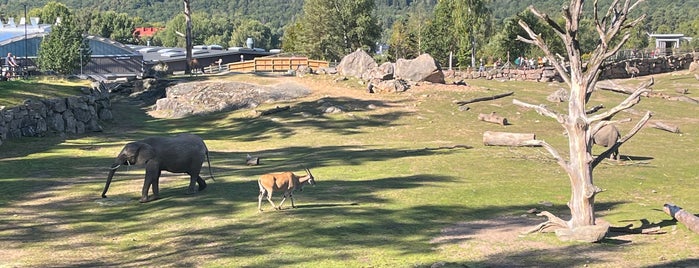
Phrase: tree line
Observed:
(467, 31)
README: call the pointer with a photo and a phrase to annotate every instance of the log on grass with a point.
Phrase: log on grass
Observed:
(681, 215)
(494, 97)
(665, 126)
(492, 138)
(493, 118)
(614, 88)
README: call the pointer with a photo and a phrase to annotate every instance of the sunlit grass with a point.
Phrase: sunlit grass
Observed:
(387, 184)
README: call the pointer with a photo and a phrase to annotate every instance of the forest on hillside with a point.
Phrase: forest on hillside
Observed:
(663, 16)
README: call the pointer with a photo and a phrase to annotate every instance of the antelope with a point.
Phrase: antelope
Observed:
(285, 181)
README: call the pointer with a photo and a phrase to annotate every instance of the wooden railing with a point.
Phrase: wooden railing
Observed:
(275, 64)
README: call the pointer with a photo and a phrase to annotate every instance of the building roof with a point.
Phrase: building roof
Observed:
(167, 54)
(14, 31)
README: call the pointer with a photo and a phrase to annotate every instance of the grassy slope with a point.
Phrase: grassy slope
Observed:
(381, 197)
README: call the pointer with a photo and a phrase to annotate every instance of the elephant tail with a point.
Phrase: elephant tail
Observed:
(208, 160)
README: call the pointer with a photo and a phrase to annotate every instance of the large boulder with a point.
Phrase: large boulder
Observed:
(694, 67)
(389, 86)
(356, 63)
(383, 72)
(422, 68)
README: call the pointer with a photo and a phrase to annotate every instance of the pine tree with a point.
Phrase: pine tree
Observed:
(62, 49)
(331, 29)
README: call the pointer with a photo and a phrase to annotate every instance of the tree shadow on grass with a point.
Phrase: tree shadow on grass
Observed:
(308, 116)
(190, 230)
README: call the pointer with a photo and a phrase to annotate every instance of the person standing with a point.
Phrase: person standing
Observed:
(11, 65)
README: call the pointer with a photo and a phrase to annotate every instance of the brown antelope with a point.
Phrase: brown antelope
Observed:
(285, 181)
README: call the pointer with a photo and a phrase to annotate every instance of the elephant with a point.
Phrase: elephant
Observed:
(607, 136)
(183, 153)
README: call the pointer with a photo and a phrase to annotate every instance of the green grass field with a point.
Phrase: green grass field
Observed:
(391, 192)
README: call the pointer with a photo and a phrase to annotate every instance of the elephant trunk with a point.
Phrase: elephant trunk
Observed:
(112, 170)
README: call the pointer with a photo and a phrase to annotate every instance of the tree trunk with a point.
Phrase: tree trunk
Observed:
(188, 37)
(582, 199)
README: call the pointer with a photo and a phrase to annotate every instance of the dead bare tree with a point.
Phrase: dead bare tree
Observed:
(613, 29)
(188, 37)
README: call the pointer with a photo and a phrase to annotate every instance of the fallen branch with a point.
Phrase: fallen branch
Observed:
(614, 88)
(665, 126)
(458, 146)
(594, 109)
(551, 225)
(686, 218)
(493, 118)
(494, 97)
(492, 138)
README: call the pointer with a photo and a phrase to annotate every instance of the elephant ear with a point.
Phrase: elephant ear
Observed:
(145, 154)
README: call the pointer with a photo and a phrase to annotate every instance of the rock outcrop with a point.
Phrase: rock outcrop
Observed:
(423, 68)
(195, 98)
(356, 64)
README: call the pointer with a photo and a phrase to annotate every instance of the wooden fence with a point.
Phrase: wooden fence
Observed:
(275, 64)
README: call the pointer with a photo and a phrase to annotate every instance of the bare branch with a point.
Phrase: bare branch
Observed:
(539, 42)
(552, 223)
(629, 102)
(559, 159)
(541, 109)
(621, 141)
(545, 17)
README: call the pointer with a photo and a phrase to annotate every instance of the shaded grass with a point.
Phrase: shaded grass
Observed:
(386, 187)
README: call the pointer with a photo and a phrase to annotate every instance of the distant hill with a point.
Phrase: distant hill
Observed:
(277, 13)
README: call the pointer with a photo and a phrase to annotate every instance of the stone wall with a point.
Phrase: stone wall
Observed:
(648, 66)
(622, 69)
(70, 115)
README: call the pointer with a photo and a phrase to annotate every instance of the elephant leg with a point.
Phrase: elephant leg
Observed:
(156, 187)
(192, 181)
(144, 191)
(152, 177)
(202, 183)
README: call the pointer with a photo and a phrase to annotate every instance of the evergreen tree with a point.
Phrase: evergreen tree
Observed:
(439, 37)
(62, 49)
(457, 27)
(331, 29)
(260, 34)
(403, 42)
(506, 39)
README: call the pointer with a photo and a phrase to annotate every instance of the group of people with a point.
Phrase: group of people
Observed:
(524, 63)
(10, 68)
